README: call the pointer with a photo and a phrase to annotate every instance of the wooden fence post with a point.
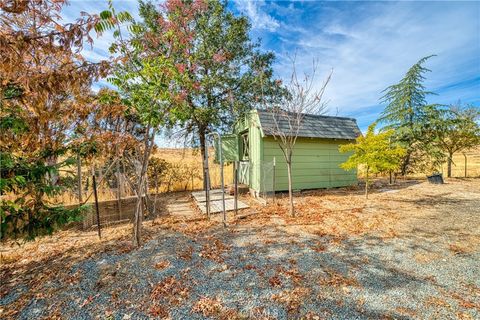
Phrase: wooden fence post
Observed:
(119, 192)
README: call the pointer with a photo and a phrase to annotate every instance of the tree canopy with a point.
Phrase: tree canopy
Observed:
(44, 82)
(407, 114)
(375, 152)
(454, 129)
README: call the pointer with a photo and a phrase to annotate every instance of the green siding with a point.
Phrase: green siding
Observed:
(315, 164)
(229, 148)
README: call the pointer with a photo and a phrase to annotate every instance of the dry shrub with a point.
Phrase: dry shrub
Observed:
(170, 290)
(292, 299)
(208, 306)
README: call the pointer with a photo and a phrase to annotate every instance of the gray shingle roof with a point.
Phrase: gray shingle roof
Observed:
(314, 126)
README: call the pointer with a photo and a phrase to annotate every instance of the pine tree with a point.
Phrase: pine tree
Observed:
(407, 113)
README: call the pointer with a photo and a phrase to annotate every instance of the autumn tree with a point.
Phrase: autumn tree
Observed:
(375, 152)
(302, 97)
(455, 129)
(407, 113)
(147, 78)
(43, 78)
(224, 72)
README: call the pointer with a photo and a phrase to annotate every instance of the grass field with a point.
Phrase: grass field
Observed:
(187, 169)
(473, 164)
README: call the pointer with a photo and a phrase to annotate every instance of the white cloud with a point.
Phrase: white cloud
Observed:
(374, 50)
(258, 17)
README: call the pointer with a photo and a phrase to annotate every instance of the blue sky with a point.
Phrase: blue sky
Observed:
(369, 45)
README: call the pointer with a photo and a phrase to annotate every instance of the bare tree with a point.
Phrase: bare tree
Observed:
(303, 97)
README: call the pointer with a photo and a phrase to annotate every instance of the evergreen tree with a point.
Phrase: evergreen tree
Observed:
(407, 113)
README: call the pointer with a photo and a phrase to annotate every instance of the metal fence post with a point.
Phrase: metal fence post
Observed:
(207, 184)
(235, 185)
(273, 178)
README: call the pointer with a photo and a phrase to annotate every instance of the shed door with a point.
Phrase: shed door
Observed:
(244, 172)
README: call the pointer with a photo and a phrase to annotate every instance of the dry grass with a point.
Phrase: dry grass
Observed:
(473, 164)
(181, 158)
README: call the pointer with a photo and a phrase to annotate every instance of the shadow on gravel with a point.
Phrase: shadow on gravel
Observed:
(254, 272)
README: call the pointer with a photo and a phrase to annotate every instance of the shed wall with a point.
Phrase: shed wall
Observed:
(315, 164)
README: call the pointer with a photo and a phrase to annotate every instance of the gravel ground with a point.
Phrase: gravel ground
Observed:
(252, 271)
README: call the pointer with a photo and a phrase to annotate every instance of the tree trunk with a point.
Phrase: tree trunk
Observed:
(79, 178)
(137, 223)
(405, 164)
(449, 165)
(52, 176)
(366, 184)
(290, 187)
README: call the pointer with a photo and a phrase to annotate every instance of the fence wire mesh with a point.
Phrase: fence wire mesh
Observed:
(267, 180)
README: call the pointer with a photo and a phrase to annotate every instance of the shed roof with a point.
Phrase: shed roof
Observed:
(313, 126)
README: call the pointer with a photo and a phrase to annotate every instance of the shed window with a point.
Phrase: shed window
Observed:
(245, 146)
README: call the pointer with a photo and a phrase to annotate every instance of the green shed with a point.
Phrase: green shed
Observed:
(315, 162)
